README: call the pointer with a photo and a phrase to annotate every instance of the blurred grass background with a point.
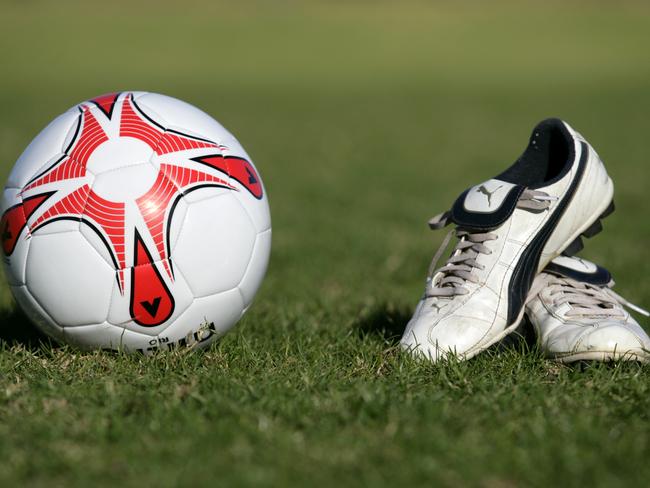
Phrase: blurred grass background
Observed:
(364, 119)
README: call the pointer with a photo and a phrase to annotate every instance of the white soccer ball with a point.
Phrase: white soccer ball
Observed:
(135, 221)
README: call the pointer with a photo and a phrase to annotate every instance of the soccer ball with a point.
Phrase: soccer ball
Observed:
(135, 221)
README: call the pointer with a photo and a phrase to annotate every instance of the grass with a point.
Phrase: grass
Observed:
(364, 120)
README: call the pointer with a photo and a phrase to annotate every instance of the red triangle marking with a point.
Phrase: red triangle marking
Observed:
(15, 219)
(151, 301)
(238, 169)
(106, 103)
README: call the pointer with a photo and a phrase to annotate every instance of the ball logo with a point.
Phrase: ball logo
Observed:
(133, 218)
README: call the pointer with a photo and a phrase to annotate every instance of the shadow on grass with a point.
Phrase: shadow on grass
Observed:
(384, 321)
(16, 329)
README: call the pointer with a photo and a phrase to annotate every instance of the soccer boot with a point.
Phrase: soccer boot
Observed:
(508, 228)
(577, 316)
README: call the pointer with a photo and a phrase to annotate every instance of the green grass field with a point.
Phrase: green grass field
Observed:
(364, 119)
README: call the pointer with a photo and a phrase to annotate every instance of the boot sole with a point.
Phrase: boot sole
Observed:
(577, 244)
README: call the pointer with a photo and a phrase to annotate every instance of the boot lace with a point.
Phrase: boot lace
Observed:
(586, 300)
(451, 279)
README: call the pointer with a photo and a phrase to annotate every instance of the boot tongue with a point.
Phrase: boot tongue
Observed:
(580, 270)
(486, 206)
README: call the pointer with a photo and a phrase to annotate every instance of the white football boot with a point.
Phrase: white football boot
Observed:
(509, 228)
(577, 315)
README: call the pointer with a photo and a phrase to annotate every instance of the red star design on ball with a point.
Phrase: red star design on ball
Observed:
(43, 197)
